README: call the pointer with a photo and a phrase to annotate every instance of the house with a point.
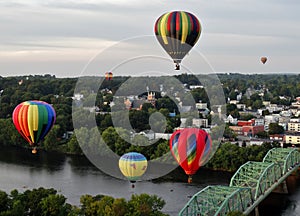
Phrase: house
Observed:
(271, 119)
(274, 108)
(201, 106)
(200, 122)
(277, 137)
(233, 102)
(259, 121)
(266, 103)
(241, 106)
(196, 86)
(292, 138)
(77, 97)
(231, 120)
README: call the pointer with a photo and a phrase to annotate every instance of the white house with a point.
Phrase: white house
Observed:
(231, 120)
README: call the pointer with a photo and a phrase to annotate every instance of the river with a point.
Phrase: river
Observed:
(74, 176)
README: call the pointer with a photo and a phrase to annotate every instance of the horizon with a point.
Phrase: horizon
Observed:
(102, 76)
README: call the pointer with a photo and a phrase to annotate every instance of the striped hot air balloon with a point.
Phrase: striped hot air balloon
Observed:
(108, 75)
(191, 148)
(33, 120)
(177, 32)
(133, 165)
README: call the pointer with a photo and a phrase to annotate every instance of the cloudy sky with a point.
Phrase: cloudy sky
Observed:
(61, 37)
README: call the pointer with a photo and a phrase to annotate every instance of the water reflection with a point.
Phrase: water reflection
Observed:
(39, 161)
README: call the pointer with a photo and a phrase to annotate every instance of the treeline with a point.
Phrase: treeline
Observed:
(229, 156)
(47, 202)
(59, 92)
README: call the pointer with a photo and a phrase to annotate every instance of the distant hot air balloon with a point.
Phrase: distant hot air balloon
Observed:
(133, 165)
(33, 120)
(191, 148)
(108, 75)
(263, 59)
(177, 32)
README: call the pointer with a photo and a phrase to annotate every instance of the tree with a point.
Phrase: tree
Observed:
(275, 128)
(54, 205)
(146, 205)
(73, 145)
(51, 139)
(3, 201)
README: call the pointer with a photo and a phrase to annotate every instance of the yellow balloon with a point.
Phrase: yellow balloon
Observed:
(133, 165)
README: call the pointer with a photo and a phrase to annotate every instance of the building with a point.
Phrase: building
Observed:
(294, 126)
(252, 130)
(274, 108)
(295, 120)
(237, 130)
(247, 130)
(200, 122)
(271, 119)
(201, 106)
(259, 121)
(241, 106)
(77, 97)
(277, 137)
(231, 120)
(292, 138)
(245, 123)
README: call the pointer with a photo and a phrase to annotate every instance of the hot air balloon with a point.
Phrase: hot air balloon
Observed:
(191, 148)
(133, 165)
(33, 120)
(108, 75)
(263, 59)
(177, 32)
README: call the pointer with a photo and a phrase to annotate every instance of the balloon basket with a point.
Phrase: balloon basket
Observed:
(34, 150)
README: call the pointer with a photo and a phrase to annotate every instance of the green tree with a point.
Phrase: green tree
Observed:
(73, 145)
(146, 205)
(275, 128)
(4, 200)
(54, 205)
(51, 139)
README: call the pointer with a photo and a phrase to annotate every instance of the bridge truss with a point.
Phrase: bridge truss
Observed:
(251, 183)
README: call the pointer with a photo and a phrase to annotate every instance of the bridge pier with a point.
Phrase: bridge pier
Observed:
(256, 211)
(282, 188)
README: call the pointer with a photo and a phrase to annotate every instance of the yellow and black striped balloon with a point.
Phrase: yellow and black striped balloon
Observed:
(177, 32)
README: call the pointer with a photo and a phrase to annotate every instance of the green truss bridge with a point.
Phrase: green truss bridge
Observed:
(251, 184)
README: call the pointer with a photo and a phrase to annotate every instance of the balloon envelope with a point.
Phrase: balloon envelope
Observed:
(33, 120)
(108, 75)
(263, 59)
(191, 148)
(133, 165)
(177, 32)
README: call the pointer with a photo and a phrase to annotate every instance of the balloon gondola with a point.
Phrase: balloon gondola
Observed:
(177, 32)
(191, 148)
(133, 165)
(33, 120)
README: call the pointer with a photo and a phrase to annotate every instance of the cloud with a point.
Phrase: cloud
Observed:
(72, 31)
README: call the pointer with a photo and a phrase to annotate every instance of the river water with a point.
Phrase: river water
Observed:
(74, 176)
